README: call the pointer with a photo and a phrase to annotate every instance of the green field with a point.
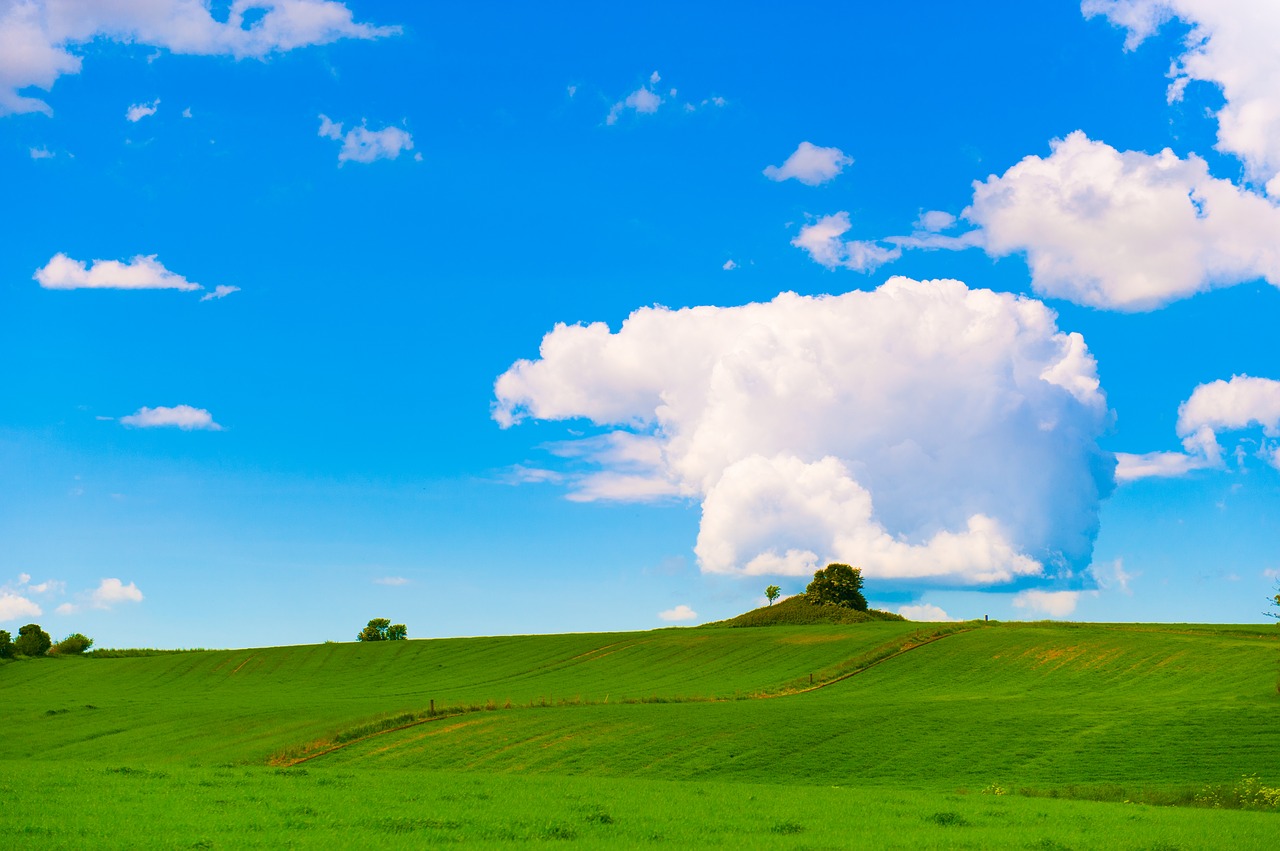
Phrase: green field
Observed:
(911, 735)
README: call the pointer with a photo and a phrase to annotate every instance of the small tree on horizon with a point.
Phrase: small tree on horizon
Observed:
(6, 645)
(839, 585)
(382, 629)
(772, 593)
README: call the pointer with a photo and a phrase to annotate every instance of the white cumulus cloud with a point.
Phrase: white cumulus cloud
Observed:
(679, 613)
(112, 591)
(362, 145)
(823, 239)
(1126, 230)
(109, 593)
(14, 606)
(39, 39)
(143, 272)
(810, 165)
(184, 417)
(925, 612)
(1232, 45)
(1219, 406)
(139, 111)
(885, 429)
(1055, 604)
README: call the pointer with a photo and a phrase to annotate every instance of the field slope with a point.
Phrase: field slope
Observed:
(621, 738)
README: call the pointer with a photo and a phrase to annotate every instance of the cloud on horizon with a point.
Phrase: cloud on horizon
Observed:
(679, 613)
(875, 428)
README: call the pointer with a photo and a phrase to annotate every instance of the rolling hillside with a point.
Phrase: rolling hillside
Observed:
(710, 736)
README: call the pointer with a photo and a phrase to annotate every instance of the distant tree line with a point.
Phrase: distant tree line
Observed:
(33, 641)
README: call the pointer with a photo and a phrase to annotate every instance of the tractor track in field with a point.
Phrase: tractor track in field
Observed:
(284, 761)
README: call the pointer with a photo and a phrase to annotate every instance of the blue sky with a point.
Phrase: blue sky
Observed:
(296, 305)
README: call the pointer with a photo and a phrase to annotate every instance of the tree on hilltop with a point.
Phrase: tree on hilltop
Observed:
(772, 593)
(32, 641)
(837, 585)
(73, 645)
(6, 645)
(382, 629)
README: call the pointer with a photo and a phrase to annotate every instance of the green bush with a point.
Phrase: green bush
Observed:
(73, 645)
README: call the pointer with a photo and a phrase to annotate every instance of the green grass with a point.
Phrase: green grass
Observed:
(710, 736)
(122, 806)
(245, 705)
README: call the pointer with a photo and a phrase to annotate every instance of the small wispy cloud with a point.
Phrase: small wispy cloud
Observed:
(823, 241)
(220, 291)
(362, 145)
(41, 153)
(184, 417)
(394, 581)
(643, 101)
(139, 111)
(729, 265)
(810, 164)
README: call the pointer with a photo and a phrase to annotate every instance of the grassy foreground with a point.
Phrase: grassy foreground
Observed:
(709, 737)
(121, 807)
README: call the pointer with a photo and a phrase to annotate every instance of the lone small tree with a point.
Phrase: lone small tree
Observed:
(838, 585)
(32, 641)
(772, 593)
(382, 629)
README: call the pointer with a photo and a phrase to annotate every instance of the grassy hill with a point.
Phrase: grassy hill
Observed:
(912, 719)
(798, 610)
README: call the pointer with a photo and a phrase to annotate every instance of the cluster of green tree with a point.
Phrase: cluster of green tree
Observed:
(34, 641)
(381, 629)
(835, 585)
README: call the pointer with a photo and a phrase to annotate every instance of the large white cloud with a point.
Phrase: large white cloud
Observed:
(1241, 403)
(922, 430)
(1126, 230)
(143, 272)
(38, 37)
(1232, 45)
